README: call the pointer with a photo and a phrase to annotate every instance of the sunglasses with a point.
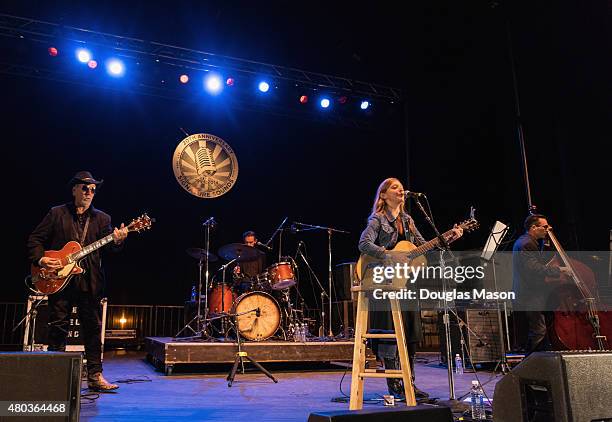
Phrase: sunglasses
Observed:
(87, 189)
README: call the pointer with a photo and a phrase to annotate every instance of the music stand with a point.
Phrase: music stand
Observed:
(498, 232)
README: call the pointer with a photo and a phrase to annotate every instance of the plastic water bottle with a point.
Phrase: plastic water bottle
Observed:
(477, 402)
(458, 364)
(304, 332)
(193, 293)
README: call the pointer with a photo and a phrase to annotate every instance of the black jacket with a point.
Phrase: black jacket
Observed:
(59, 227)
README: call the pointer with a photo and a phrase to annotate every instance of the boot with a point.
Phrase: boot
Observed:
(98, 383)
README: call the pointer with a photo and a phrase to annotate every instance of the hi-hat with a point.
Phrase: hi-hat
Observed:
(238, 251)
(198, 253)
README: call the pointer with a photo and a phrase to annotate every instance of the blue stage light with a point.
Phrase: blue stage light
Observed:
(264, 86)
(325, 102)
(83, 55)
(115, 67)
(213, 84)
(365, 104)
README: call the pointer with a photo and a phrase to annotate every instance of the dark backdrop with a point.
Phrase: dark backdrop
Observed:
(452, 61)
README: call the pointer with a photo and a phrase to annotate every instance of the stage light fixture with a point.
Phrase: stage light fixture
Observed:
(229, 82)
(325, 102)
(365, 104)
(52, 51)
(83, 55)
(115, 67)
(92, 64)
(264, 86)
(212, 83)
(184, 79)
(304, 99)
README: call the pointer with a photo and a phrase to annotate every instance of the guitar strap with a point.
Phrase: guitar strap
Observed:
(85, 230)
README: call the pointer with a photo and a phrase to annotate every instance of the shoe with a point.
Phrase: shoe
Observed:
(99, 383)
(396, 387)
(420, 394)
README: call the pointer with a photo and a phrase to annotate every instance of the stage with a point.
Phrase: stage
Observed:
(206, 396)
(165, 353)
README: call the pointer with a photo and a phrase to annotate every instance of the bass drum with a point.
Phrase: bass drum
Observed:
(262, 315)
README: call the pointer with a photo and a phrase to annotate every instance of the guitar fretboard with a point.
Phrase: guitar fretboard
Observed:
(430, 245)
(92, 247)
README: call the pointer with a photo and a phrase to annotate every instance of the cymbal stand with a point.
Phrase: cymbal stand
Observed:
(201, 321)
(329, 230)
(240, 355)
(323, 292)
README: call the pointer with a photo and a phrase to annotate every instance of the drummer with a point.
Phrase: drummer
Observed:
(245, 272)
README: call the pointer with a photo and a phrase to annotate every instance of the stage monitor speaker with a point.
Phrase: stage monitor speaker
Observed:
(42, 377)
(556, 387)
(397, 413)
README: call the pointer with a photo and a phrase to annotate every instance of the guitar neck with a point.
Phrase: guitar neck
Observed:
(92, 247)
(435, 242)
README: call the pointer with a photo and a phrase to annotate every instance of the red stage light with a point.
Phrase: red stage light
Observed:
(92, 64)
(52, 51)
(229, 82)
(304, 99)
(184, 79)
(342, 100)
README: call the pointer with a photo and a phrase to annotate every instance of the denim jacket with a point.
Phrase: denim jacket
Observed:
(381, 234)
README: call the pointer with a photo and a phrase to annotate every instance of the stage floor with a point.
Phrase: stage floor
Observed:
(253, 396)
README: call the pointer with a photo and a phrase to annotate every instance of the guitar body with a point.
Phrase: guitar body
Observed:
(364, 269)
(49, 282)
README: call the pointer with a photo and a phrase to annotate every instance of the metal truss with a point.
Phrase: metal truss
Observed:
(46, 32)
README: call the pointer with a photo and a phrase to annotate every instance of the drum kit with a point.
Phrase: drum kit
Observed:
(260, 304)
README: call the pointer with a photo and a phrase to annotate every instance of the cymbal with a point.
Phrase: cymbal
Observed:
(238, 251)
(198, 253)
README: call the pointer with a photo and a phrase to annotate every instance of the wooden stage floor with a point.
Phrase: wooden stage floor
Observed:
(253, 397)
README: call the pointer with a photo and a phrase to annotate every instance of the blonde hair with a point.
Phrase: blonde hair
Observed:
(379, 203)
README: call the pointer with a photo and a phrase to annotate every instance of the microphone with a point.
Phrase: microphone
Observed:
(209, 222)
(258, 312)
(408, 194)
(258, 243)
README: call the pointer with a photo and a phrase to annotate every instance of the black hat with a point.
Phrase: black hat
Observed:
(85, 178)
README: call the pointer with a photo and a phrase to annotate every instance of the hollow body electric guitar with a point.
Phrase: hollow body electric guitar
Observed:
(45, 281)
(404, 251)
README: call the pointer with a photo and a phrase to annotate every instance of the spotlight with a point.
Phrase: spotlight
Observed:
(52, 51)
(184, 79)
(213, 84)
(92, 64)
(365, 104)
(325, 102)
(264, 86)
(304, 99)
(229, 82)
(115, 67)
(83, 55)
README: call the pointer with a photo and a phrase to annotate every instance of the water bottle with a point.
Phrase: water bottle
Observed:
(477, 402)
(304, 332)
(458, 364)
(193, 293)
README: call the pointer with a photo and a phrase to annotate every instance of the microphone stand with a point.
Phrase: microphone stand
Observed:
(453, 403)
(280, 242)
(323, 293)
(330, 230)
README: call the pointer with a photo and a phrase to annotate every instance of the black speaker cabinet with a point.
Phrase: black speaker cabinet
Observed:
(556, 387)
(42, 377)
(343, 279)
(388, 414)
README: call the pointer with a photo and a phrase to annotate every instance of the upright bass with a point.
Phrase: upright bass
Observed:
(580, 323)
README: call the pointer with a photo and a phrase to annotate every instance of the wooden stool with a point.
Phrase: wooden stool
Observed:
(359, 352)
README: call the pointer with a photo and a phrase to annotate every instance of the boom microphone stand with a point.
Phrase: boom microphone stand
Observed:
(329, 230)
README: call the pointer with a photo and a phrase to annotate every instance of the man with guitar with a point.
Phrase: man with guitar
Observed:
(77, 221)
(388, 224)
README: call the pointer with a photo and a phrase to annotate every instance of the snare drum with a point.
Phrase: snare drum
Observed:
(280, 276)
(261, 317)
(220, 299)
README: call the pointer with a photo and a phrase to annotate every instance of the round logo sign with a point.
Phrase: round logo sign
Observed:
(205, 165)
